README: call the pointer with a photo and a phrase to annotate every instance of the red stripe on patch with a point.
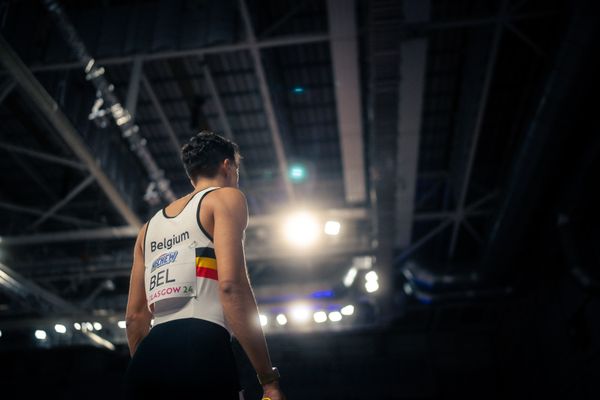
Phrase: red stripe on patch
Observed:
(209, 273)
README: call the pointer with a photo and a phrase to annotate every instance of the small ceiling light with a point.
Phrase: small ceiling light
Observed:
(297, 172)
(122, 324)
(301, 229)
(77, 326)
(40, 334)
(320, 317)
(371, 286)
(281, 319)
(60, 328)
(97, 326)
(332, 228)
(348, 310)
(263, 319)
(335, 316)
(350, 275)
(371, 276)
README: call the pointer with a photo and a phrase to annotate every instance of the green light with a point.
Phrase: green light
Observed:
(297, 172)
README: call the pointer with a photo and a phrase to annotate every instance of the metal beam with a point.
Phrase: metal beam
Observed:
(43, 156)
(413, 68)
(122, 232)
(266, 98)
(344, 54)
(126, 232)
(24, 288)
(161, 114)
(292, 40)
(48, 107)
(71, 195)
(33, 211)
(483, 102)
(216, 98)
(133, 91)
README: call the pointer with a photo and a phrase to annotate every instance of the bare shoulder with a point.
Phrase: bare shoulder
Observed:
(229, 201)
(228, 197)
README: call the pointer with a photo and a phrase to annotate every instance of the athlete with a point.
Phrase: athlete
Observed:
(189, 275)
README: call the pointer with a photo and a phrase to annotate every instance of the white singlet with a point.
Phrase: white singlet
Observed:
(181, 277)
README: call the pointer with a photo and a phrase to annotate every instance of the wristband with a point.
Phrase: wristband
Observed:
(269, 377)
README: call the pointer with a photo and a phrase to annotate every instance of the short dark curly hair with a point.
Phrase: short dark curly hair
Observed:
(205, 151)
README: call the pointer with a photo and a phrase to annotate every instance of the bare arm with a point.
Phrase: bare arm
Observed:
(239, 305)
(137, 316)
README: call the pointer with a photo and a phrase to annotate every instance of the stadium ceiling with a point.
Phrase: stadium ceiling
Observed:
(400, 113)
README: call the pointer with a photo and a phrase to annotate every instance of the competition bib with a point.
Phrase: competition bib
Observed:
(171, 274)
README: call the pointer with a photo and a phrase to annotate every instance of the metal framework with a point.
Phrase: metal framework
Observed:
(24, 289)
(48, 107)
(43, 156)
(266, 98)
(483, 102)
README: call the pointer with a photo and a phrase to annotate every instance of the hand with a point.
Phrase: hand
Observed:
(272, 391)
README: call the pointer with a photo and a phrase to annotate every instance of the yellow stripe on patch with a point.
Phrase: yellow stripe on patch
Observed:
(206, 262)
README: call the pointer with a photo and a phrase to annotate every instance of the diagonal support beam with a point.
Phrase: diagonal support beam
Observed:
(344, 54)
(483, 102)
(216, 98)
(161, 115)
(70, 196)
(48, 107)
(266, 97)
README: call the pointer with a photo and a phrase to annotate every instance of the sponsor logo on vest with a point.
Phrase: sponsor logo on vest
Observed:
(168, 243)
(164, 259)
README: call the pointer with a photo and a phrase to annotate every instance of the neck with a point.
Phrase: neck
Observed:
(202, 184)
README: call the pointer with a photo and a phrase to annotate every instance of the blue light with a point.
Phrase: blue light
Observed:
(298, 89)
(321, 294)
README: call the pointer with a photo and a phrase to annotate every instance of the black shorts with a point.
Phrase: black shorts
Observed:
(184, 356)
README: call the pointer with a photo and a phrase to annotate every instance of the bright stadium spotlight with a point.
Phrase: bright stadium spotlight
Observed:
(281, 319)
(263, 319)
(97, 326)
(332, 228)
(60, 328)
(89, 326)
(122, 324)
(301, 229)
(335, 316)
(77, 326)
(348, 310)
(320, 316)
(371, 286)
(300, 313)
(40, 334)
